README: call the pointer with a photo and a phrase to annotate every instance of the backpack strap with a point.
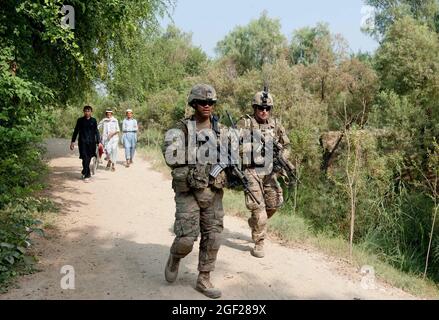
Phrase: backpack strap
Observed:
(249, 121)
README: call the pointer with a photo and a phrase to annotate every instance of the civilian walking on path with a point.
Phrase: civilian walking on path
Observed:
(110, 138)
(129, 128)
(87, 129)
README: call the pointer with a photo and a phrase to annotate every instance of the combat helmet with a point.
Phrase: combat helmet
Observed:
(263, 98)
(202, 92)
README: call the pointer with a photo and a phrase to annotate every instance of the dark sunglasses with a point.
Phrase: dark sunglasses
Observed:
(204, 103)
(262, 108)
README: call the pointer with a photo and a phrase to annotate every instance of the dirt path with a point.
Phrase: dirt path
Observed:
(116, 232)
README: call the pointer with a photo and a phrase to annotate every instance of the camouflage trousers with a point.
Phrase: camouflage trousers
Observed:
(199, 211)
(268, 192)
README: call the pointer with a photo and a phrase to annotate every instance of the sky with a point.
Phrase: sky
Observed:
(210, 21)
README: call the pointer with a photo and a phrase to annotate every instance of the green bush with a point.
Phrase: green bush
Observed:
(151, 138)
(21, 168)
(17, 222)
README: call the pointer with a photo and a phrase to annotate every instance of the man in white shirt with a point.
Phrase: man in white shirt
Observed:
(110, 138)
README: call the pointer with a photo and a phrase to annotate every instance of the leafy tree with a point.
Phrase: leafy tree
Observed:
(250, 46)
(408, 64)
(408, 60)
(157, 62)
(304, 47)
(324, 58)
(386, 12)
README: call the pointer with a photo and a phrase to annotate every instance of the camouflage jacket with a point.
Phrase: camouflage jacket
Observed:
(195, 175)
(273, 127)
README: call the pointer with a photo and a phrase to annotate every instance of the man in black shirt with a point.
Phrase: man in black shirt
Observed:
(89, 138)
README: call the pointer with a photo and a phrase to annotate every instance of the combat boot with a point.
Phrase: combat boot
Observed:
(258, 250)
(171, 270)
(206, 287)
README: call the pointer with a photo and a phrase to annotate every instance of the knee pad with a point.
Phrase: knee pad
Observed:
(210, 243)
(259, 217)
(215, 240)
(182, 246)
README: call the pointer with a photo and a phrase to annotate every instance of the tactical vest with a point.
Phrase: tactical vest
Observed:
(266, 128)
(198, 174)
(269, 129)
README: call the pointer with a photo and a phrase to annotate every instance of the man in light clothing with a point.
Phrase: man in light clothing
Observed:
(129, 128)
(110, 138)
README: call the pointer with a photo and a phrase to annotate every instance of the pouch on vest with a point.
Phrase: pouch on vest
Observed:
(198, 177)
(180, 179)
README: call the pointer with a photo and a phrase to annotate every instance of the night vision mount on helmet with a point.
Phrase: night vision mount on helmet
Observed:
(263, 98)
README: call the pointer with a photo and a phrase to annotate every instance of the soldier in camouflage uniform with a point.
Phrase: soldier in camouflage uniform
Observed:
(198, 197)
(264, 186)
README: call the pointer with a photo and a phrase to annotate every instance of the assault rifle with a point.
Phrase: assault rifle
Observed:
(234, 168)
(281, 163)
(284, 164)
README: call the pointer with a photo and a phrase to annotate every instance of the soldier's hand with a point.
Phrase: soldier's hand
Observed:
(72, 146)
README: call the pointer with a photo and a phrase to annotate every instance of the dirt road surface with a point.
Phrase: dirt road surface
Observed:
(116, 232)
